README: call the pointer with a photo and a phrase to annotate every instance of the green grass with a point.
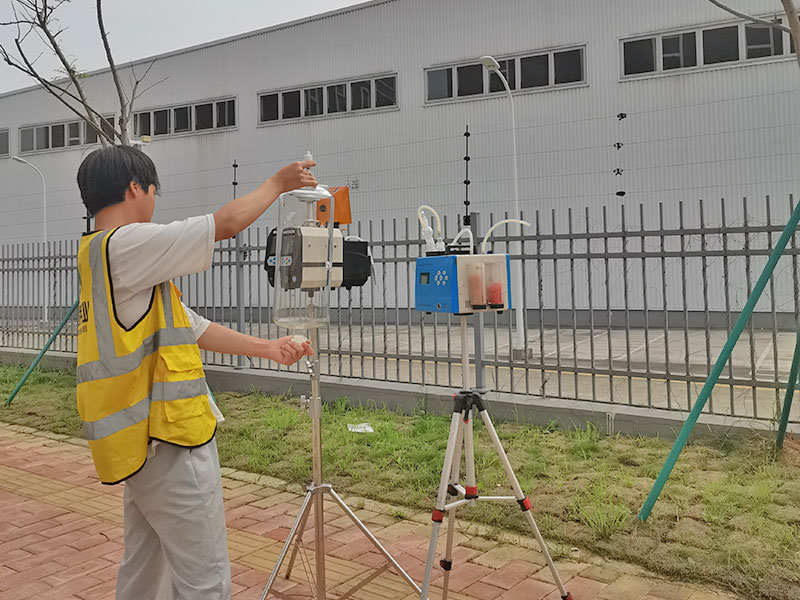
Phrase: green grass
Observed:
(730, 513)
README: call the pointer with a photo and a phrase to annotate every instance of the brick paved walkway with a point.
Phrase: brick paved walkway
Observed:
(61, 538)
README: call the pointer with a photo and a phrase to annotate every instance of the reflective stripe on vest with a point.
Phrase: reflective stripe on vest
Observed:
(140, 383)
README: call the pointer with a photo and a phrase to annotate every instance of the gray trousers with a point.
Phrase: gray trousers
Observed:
(175, 542)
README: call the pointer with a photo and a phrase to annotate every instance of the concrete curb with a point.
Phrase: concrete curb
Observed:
(408, 398)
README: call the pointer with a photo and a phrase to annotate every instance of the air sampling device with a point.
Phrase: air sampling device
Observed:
(455, 280)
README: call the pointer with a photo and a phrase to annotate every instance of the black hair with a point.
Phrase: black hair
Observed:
(106, 173)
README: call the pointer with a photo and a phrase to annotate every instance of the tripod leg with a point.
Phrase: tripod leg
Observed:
(319, 546)
(471, 488)
(523, 501)
(300, 530)
(301, 517)
(455, 475)
(373, 539)
(438, 512)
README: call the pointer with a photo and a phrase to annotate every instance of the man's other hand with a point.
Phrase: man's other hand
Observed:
(294, 176)
(287, 352)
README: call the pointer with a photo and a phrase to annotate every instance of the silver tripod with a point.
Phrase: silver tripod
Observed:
(314, 497)
(461, 437)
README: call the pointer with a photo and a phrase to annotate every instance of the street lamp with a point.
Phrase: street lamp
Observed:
(491, 65)
(44, 227)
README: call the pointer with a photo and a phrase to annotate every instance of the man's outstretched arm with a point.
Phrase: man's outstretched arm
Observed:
(238, 214)
(218, 338)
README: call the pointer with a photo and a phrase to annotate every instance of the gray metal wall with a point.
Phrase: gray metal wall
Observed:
(725, 132)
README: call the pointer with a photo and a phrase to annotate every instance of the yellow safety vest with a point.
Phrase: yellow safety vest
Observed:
(136, 384)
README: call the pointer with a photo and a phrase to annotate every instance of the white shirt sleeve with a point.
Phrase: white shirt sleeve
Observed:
(142, 255)
(199, 324)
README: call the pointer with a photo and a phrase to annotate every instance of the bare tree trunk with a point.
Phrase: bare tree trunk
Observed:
(794, 25)
(123, 103)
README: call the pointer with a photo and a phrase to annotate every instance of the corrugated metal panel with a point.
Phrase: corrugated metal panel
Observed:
(715, 133)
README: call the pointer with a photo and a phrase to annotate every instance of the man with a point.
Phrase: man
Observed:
(141, 388)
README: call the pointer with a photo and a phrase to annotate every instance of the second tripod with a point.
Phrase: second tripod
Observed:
(460, 439)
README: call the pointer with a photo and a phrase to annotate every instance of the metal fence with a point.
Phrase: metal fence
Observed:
(629, 305)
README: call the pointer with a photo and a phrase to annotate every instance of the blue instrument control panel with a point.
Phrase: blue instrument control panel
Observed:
(462, 284)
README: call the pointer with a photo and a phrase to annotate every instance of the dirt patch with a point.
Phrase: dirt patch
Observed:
(791, 451)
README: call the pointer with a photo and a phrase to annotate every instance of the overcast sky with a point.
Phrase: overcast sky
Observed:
(140, 28)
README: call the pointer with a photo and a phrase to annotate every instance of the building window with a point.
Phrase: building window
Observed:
(4, 151)
(639, 56)
(535, 71)
(568, 66)
(527, 72)
(183, 119)
(720, 45)
(328, 99)
(470, 80)
(186, 118)
(91, 134)
(361, 95)
(204, 116)
(314, 102)
(291, 104)
(679, 51)
(57, 136)
(226, 113)
(42, 138)
(141, 124)
(107, 125)
(509, 70)
(763, 41)
(385, 92)
(337, 98)
(74, 134)
(440, 84)
(161, 122)
(269, 108)
(26, 139)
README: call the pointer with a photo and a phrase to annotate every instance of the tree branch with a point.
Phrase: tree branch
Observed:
(70, 70)
(794, 25)
(51, 88)
(751, 18)
(123, 104)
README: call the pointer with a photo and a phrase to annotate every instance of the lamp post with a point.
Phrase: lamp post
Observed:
(44, 232)
(491, 65)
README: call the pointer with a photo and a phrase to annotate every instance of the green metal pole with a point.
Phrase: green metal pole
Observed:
(787, 400)
(705, 393)
(41, 354)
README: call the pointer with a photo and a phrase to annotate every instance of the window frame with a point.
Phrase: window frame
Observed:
(67, 139)
(516, 61)
(191, 107)
(324, 85)
(7, 132)
(700, 58)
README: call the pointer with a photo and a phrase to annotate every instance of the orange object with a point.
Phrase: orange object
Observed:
(342, 216)
(495, 294)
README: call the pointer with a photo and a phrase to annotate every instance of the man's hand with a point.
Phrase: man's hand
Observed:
(218, 338)
(238, 214)
(287, 352)
(294, 176)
